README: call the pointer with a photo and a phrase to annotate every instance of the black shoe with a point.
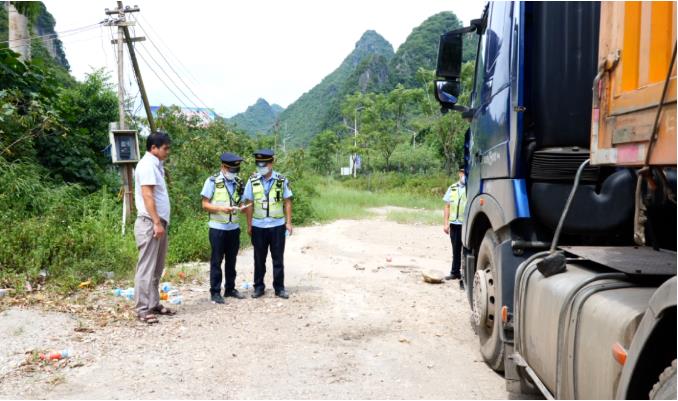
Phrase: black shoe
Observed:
(456, 276)
(233, 294)
(282, 294)
(217, 299)
(258, 293)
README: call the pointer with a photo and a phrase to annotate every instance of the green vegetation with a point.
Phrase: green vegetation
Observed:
(350, 199)
(60, 207)
(317, 109)
(372, 67)
(259, 118)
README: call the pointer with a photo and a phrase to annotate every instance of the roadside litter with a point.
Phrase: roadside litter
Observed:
(167, 293)
(432, 277)
(55, 356)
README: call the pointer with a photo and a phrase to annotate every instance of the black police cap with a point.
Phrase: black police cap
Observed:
(230, 159)
(263, 155)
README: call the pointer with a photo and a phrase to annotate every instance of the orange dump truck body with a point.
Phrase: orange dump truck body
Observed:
(637, 41)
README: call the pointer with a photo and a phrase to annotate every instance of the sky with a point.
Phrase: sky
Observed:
(230, 53)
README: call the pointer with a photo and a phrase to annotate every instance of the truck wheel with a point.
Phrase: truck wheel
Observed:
(665, 388)
(486, 306)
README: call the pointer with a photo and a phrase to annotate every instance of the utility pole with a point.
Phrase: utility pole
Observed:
(355, 139)
(124, 37)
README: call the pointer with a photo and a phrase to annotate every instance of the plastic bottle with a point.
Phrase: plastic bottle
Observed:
(175, 300)
(56, 355)
(165, 287)
(117, 292)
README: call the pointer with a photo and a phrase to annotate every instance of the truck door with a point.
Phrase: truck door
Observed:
(489, 157)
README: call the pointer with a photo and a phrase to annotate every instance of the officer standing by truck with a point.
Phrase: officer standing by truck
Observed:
(221, 198)
(269, 221)
(455, 203)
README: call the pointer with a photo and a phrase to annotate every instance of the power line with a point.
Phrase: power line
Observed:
(168, 48)
(169, 77)
(175, 71)
(161, 80)
(60, 34)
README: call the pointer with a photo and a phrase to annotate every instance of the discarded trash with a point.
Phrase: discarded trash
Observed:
(128, 293)
(85, 284)
(5, 291)
(389, 259)
(182, 275)
(432, 277)
(164, 296)
(166, 287)
(52, 356)
(29, 287)
(246, 286)
(175, 300)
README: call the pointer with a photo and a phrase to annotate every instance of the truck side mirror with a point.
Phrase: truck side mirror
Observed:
(447, 93)
(449, 55)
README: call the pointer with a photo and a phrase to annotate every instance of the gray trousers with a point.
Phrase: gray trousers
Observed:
(152, 252)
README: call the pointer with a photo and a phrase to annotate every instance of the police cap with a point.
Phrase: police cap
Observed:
(231, 159)
(263, 155)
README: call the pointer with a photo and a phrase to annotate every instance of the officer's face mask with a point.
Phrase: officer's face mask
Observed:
(263, 168)
(230, 172)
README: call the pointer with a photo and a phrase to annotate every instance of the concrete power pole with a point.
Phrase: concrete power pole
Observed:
(124, 37)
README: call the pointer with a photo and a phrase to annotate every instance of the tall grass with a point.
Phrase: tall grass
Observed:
(336, 200)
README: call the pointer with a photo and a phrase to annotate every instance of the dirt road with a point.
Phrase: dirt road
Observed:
(355, 326)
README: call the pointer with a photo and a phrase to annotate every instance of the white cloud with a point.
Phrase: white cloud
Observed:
(238, 51)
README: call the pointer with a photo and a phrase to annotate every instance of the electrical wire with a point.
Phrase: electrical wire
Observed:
(168, 48)
(186, 85)
(161, 80)
(170, 64)
(169, 77)
(56, 34)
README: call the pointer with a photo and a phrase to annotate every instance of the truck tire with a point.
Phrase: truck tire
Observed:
(486, 307)
(665, 388)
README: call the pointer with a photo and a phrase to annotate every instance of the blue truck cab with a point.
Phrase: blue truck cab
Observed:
(530, 126)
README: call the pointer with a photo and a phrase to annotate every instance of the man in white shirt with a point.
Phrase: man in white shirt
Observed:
(150, 228)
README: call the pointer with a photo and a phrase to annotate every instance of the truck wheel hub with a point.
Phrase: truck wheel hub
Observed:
(480, 298)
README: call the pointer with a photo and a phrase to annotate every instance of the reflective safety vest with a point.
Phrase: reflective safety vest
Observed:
(267, 204)
(222, 197)
(457, 202)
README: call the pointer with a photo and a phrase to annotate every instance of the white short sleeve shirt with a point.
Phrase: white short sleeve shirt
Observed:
(150, 171)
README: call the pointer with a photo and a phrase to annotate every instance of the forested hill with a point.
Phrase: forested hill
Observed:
(420, 49)
(258, 118)
(319, 107)
(371, 67)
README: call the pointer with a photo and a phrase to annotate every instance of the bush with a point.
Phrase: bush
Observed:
(72, 235)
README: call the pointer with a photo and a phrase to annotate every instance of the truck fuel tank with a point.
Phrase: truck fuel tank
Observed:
(567, 325)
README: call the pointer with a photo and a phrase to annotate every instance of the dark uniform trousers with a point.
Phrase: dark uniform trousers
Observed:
(455, 237)
(225, 243)
(262, 240)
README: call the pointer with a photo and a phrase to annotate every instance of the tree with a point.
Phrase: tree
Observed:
(323, 149)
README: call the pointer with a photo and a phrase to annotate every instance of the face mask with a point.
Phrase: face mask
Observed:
(230, 176)
(263, 170)
(463, 180)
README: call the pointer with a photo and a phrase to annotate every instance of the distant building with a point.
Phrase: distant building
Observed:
(205, 115)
